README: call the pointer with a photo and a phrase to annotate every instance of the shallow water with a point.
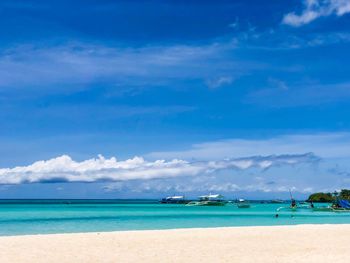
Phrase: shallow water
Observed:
(39, 217)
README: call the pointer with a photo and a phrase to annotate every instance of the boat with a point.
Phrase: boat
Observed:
(331, 208)
(241, 203)
(341, 205)
(175, 199)
(294, 206)
(209, 200)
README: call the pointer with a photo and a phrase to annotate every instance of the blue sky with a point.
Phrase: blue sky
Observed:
(250, 99)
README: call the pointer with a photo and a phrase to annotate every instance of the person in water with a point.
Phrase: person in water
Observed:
(312, 204)
(293, 204)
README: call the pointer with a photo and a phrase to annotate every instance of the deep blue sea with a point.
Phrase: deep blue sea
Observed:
(18, 217)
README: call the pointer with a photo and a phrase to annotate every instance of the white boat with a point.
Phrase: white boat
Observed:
(175, 199)
(209, 200)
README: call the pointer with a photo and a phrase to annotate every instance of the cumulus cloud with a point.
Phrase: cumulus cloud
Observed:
(65, 169)
(314, 9)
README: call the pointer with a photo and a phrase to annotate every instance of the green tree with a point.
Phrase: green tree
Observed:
(321, 197)
(345, 194)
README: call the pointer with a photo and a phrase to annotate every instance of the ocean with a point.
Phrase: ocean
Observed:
(22, 217)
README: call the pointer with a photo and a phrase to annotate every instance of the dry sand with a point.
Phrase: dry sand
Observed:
(304, 243)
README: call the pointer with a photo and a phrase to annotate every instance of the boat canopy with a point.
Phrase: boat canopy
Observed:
(211, 196)
(344, 204)
(175, 197)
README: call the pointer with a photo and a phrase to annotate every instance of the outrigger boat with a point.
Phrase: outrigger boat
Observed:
(339, 205)
(175, 199)
(241, 203)
(209, 200)
(293, 205)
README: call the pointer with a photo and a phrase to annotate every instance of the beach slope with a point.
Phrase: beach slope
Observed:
(303, 243)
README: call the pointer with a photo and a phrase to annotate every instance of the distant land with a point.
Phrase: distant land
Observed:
(328, 197)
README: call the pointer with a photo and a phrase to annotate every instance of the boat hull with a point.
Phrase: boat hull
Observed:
(207, 203)
(174, 201)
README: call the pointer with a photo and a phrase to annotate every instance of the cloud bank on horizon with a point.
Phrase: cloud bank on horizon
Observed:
(326, 145)
(64, 169)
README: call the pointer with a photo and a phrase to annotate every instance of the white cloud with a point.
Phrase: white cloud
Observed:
(325, 145)
(191, 188)
(81, 63)
(219, 82)
(73, 65)
(314, 9)
(64, 169)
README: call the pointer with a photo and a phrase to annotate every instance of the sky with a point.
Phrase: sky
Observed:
(144, 99)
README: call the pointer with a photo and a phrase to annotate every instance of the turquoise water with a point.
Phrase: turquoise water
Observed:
(36, 217)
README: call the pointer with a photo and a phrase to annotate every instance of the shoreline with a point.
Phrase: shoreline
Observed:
(173, 229)
(287, 243)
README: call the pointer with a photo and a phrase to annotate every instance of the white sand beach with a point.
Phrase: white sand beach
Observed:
(303, 243)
